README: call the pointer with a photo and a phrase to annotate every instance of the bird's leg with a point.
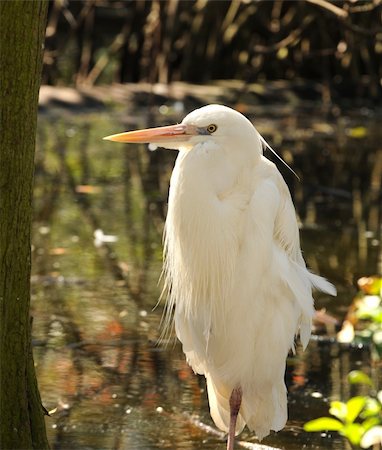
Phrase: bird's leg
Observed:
(234, 406)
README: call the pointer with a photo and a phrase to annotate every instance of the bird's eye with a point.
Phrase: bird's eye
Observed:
(212, 128)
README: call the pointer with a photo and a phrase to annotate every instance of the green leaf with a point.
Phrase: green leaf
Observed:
(376, 286)
(371, 408)
(354, 407)
(339, 410)
(358, 377)
(323, 424)
(370, 422)
(375, 315)
(354, 432)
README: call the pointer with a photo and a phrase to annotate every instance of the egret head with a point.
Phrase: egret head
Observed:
(217, 124)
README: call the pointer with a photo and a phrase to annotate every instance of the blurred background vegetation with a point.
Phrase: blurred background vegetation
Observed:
(338, 44)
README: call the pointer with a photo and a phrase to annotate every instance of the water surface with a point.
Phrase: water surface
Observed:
(99, 214)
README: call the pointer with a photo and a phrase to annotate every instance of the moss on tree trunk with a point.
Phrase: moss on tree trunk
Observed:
(22, 25)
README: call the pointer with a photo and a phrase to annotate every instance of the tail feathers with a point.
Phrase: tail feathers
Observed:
(219, 407)
(322, 284)
(305, 330)
(266, 411)
(262, 410)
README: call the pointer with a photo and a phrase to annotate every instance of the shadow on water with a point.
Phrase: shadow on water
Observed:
(99, 214)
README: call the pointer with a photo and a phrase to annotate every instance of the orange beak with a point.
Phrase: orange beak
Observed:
(172, 133)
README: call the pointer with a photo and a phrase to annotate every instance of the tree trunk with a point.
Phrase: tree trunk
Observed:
(22, 25)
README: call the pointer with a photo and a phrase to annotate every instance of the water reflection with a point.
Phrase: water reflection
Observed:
(102, 374)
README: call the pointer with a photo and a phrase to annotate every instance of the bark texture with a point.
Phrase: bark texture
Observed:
(22, 25)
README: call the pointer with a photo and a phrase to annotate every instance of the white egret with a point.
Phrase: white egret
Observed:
(236, 282)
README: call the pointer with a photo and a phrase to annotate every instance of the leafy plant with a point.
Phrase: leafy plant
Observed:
(363, 323)
(359, 419)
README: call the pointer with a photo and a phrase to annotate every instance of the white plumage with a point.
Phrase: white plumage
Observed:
(235, 278)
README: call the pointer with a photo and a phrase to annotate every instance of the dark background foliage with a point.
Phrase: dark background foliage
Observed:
(338, 44)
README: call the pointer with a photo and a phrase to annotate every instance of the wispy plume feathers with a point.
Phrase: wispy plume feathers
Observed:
(266, 145)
